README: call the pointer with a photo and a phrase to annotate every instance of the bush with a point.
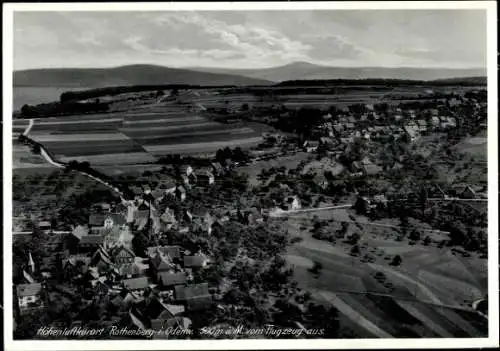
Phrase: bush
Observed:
(396, 261)
(316, 268)
(296, 239)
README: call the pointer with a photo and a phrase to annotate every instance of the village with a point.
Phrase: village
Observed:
(126, 253)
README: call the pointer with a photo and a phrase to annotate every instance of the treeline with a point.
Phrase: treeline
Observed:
(468, 81)
(85, 167)
(111, 91)
(62, 109)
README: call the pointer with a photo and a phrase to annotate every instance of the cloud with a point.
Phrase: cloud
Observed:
(333, 47)
(250, 38)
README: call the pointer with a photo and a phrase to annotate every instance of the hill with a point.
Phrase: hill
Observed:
(308, 71)
(126, 76)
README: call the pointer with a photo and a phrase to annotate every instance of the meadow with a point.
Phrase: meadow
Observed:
(428, 295)
(141, 135)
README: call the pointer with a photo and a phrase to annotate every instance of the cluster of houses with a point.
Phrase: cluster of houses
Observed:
(101, 259)
(407, 123)
(151, 292)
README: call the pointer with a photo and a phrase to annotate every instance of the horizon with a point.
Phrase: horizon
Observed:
(454, 39)
(250, 68)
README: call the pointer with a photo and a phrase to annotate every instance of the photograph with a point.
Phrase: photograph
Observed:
(280, 175)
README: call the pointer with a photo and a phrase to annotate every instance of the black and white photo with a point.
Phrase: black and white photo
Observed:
(250, 175)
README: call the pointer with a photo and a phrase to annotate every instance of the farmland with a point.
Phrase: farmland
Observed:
(140, 135)
(419, 298)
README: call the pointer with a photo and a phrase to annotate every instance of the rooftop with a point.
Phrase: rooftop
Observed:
(135, 283)
(28, 289)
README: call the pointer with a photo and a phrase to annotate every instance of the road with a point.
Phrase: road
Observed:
(30, 125)
(457, 199)
(56, 163)
(58, 232)
(303, 210)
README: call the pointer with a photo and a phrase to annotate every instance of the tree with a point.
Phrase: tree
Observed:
(354, 238)
(316, 268)
(140, 244)
(427, 241)
(415, 235)
(355, 251)
(36, 149)
(396, 261)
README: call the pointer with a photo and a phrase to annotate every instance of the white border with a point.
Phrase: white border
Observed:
(491, 341)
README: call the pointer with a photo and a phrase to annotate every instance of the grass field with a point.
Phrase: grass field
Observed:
(428, 277)
(136, 136)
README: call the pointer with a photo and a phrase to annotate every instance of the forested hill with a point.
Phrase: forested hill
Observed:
(126, 76)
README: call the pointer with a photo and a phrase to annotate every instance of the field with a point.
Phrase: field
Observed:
(429, 293)
(475, 146)
(141, 135)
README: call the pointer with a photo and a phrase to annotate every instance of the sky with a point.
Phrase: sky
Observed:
(251, 39)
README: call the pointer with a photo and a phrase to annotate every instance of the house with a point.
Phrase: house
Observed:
(292, 203)
(75, 265)
(311, 145)
(454, 102)
(196, 296)
(369, 168)
(146, 189)
(205, 178)
(347, 141)
(412, 132)
(163, 258)
(132, 284)
(96, 221)
(187, 216)
(356, 168)
(99, 221)
(105, 207)
(435, 191)
(196, 261)
(186, 170)
(168, 185)
(29, 296)
(338, 128)
(101, 260)
(464, 191)
(45, 226)
(89, 242)
(168, 217)
(422, 125)
(180, 193)
(122, 255)
(169, 279)
(157, 195)
(326, 141)
(217, 168)
(185, 180)
(136, 191)
(380, 199)
(254, 217)
(27, 278)
(192, 178)
(186, 292)
(349, 126)
(434, 121)
(320, 180)
(172, 252)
